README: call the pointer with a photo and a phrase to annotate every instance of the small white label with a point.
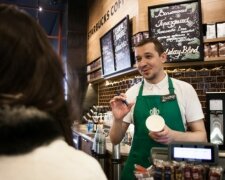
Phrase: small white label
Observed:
(215, 105)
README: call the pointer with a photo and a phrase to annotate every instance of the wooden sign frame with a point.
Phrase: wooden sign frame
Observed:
(116, 50)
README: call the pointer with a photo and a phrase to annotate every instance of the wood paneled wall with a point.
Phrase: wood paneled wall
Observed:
(97, 9)
(212, 11)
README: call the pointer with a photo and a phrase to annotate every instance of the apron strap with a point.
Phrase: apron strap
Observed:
(141, 88)
(171, 88)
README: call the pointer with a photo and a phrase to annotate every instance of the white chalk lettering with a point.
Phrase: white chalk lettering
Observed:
(177, 53)
(163, 13)
(171, 24)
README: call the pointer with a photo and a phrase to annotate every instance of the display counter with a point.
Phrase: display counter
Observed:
(81, 130)
(86, 141)
(83, 140)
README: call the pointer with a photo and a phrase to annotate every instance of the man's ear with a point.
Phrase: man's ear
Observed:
(163, 57)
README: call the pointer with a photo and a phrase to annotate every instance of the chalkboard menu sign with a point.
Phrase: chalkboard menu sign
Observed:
(178, 27)
(107, 54)
(121, 45)
(116, 49)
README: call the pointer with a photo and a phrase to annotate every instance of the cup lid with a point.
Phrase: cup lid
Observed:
(155, 123)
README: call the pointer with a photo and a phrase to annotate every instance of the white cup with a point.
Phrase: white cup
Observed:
(155, 123)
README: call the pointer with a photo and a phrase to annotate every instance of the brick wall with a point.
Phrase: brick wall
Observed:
(203, 79)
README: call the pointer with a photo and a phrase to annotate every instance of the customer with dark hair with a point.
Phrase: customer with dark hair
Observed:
(31, 72)
(32, 76)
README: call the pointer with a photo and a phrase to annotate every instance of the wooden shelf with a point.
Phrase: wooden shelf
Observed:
(117, 75)
(214, 40)
(95, 80)
(222, 58)
(94, 69)
(207, 61)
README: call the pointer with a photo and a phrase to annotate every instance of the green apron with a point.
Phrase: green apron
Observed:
(142, 143)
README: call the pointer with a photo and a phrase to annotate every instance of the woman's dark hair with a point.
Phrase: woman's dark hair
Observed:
(158, 46)
(31, 72)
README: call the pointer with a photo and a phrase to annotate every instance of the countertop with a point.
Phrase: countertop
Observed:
(81, 129)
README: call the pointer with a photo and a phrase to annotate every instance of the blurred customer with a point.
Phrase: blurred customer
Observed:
(32, 147)
(31, 72)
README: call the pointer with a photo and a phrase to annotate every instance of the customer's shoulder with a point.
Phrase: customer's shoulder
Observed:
(70, 153)
(70, 158)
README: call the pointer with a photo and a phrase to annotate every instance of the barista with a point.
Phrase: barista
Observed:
(175, 101)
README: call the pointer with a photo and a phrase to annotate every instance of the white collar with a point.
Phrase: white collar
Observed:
(160, 85)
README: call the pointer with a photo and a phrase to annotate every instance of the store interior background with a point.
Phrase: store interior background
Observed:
(67, 23)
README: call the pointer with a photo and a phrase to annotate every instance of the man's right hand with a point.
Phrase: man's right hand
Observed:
(119, 108)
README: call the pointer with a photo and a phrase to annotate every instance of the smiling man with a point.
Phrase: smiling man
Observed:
(174, 100)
